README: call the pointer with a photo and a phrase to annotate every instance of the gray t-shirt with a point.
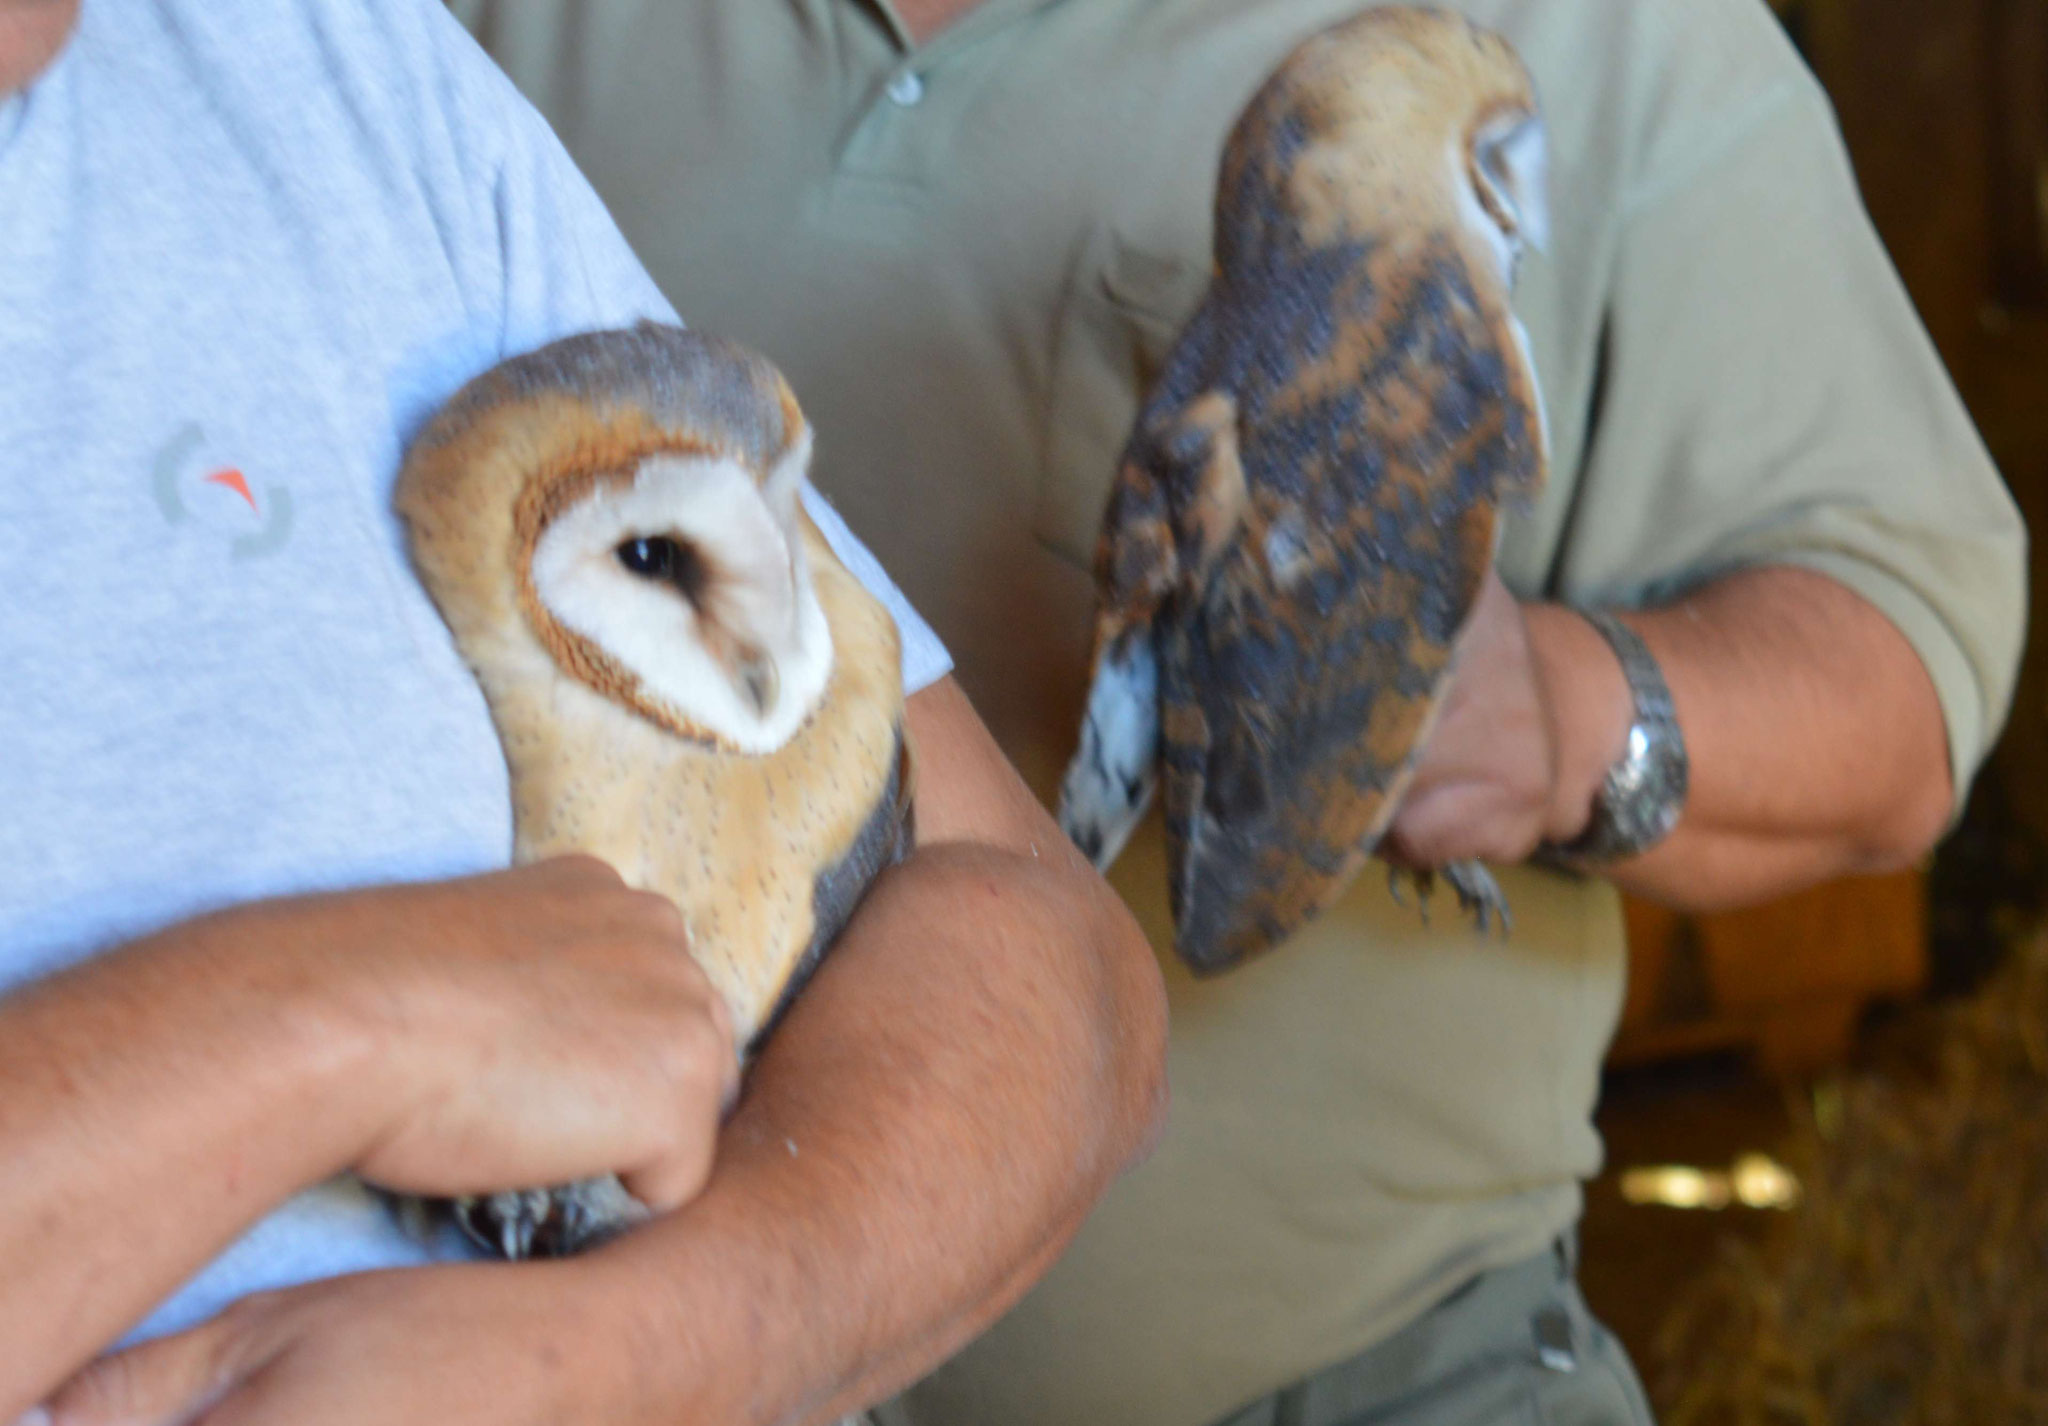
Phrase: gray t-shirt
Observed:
(246, 247)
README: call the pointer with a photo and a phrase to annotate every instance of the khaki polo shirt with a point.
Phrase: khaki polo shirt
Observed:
(968, 257)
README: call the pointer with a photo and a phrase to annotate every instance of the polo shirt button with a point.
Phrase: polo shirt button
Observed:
(906, 89)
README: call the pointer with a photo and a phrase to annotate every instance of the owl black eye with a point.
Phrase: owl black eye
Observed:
(650, 559)
(670, 561)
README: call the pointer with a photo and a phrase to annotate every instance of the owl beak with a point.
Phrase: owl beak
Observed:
(1513, 156)
(757, 680)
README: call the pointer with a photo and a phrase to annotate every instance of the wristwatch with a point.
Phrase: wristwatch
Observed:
(1641, 797)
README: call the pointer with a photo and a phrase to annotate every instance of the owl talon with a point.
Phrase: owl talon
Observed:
(550, 1222)
(1480, 896)
(1425, 883)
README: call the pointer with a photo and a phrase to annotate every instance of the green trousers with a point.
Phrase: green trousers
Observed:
(1514, 1347)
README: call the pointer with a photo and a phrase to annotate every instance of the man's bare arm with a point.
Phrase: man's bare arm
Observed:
(156, 1101)
(1816, 739)
(980, 1056)
(151, 1106)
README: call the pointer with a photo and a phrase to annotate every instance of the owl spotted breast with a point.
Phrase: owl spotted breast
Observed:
(685, 680)
(1311, 496)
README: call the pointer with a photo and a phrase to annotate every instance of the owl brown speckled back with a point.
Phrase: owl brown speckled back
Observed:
(1311, 495)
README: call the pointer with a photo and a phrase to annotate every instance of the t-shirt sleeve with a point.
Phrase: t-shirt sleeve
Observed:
(1769, 396)
(566, 268)
(925, 660)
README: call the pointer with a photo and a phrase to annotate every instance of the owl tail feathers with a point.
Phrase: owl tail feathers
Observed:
(1109, 783)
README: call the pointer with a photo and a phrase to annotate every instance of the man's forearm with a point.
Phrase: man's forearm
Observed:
(1816, 740)
(152, 1105)
(893, 1181)
(976, 1061)
(530, 1026)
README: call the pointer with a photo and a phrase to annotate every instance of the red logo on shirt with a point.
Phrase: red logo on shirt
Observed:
(233, 480)
(273, 510)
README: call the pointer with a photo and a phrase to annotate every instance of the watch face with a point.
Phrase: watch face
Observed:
(1646, 822)
(1647, 789)
(1633, 773)
(1643, 794)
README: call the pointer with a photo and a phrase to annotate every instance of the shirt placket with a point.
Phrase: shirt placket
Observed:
(891, 139)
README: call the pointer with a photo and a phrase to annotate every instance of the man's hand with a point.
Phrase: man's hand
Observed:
(1522, 741)
(980, 1055)
(535, 1026)
(427, 1347)
(494, 1032)
(1816, 741)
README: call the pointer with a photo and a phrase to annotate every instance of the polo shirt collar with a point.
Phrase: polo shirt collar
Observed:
(984, 19)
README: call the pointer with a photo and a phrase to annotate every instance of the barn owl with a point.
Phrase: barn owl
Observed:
(685, 680)
(1311, 495)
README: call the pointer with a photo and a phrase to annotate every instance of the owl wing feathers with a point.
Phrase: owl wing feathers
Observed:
(1173, 511)
(1311, 498)
(1302, 580)
(885, 839)
(1290, 743)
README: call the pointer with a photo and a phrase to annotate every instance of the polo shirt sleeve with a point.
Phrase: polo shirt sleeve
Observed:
(1769, 396)
(565, 268)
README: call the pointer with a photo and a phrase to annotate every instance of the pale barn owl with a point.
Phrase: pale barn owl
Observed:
(684, 678)
(1311, 496)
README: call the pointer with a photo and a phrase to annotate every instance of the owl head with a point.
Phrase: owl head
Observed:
(645, 496)
(1400, 120)
(685, 680)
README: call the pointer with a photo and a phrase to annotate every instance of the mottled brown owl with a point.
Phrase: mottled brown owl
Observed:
(685, 679)
(1311, 496)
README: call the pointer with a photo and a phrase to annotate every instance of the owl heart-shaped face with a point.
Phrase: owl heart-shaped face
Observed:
(683, 580)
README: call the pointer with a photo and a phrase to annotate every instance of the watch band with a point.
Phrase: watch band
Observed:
(1643, 793)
